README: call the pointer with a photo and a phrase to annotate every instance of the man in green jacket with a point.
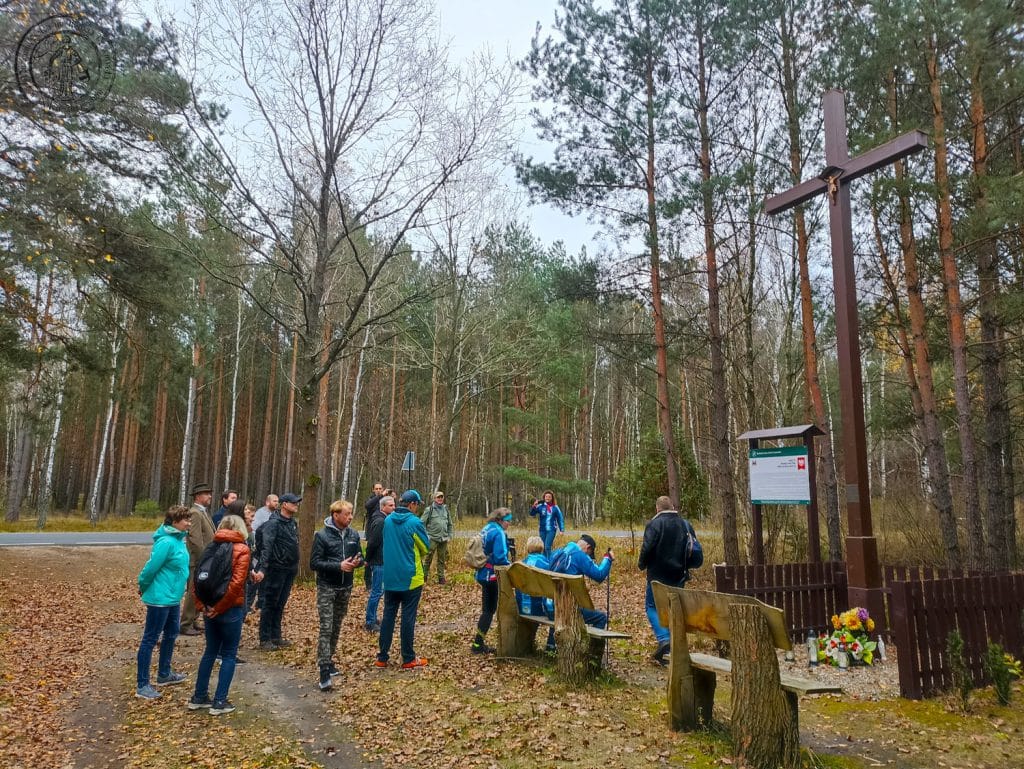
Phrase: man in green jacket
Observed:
(440, 529)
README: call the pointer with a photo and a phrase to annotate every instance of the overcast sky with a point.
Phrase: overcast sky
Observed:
(505, 27)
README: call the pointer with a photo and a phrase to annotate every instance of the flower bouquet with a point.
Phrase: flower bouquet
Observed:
(850, 632)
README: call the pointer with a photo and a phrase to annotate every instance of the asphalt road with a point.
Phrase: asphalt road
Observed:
(108, 538)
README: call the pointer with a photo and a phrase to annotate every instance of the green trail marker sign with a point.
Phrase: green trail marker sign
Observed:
(780, 476)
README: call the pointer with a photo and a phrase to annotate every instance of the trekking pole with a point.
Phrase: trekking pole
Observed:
(608, 613)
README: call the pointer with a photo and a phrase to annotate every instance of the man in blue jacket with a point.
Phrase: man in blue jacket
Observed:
(405, 545)
(578, 558)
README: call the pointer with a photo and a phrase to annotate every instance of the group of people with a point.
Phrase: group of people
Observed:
(403, 538)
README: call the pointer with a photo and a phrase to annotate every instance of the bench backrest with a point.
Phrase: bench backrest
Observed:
(707, 613)
(541, 583)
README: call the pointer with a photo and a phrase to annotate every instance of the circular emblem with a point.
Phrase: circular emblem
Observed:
(64, 64)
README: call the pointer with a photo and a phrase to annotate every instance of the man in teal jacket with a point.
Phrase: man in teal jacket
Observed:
(578, 558)
(405, 544)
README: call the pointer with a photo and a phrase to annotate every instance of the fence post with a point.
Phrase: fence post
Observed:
(903, 596)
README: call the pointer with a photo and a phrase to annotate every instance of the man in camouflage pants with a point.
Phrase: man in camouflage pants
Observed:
(336, 554)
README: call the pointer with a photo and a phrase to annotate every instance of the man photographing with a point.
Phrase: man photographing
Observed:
(667, 554)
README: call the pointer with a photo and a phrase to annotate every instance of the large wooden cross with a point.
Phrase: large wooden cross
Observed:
(864, 575)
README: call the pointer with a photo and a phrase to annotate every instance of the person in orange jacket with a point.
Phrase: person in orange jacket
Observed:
(223, 623)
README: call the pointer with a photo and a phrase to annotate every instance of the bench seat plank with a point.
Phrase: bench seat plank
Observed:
(789, 682)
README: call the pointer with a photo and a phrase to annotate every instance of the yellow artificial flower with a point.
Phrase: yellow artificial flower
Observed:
(835, 622)
(871, 624)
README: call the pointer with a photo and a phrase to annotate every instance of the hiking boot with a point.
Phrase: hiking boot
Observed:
(170, 680)
(281, 643)
(220, 707)
(268, 646)
(480, 648)
(442, 581)
(190, 630)
(551, 649)
(198, 703)
(372, 627)
(419, 662)
(325, 679)
(380, 663)
(332, 670)
(659, 655)
(239, 660)
(147, 692)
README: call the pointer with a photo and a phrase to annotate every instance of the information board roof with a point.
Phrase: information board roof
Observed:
(796, 431)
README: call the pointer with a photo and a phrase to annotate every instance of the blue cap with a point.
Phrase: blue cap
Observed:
(293, 498)
(411, 496)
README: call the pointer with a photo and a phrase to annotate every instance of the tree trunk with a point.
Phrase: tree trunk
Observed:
(575, 663)
(234, 398)
(997, 441)
(808, 331)
(657, 308)
(159, 437)
(46, 484)
(265, 471)
(101, 462)
(289, 427)
(217, 432)
(951, 284)
(356, 393)
(765, 730)
(23, 448)
(187, 458)
(935, 445)
(721, 441)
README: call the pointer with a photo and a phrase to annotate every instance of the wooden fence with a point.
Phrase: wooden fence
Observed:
(808, 593)
(982, 607)
(922, 606)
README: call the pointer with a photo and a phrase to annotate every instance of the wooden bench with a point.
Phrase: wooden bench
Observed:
(765, 725)
(580, 646)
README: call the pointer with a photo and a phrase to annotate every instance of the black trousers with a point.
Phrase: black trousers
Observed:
(488, 606)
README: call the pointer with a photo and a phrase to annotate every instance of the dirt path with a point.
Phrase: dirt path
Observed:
(272, 699)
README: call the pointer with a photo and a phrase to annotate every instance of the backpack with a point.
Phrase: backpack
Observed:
(214, 572)
(475, 555)
(694, 550)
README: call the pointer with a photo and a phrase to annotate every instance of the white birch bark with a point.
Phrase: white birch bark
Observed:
(356, 392)
(234, 396)
(46, 487)
(190, 413)
(101, 462)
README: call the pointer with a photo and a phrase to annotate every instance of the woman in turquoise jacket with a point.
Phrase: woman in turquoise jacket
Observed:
(162, 584)
(496, 549)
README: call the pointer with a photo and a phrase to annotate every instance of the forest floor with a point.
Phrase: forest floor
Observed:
(70, 622)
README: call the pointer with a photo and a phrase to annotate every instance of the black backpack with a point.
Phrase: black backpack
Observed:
(214, 572)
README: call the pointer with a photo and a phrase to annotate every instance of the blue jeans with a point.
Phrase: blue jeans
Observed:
(223, 633)
(596, 618)
(160, 620)
(549, 539)
(409, 600)
(277, 586)
(661, 634)
(376, 592)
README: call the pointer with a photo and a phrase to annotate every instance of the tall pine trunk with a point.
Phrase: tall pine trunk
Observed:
(721, 441)
(809, 335)
(997, 441)
(951, 283)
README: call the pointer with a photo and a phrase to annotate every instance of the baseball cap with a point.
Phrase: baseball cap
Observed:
(593, 544)
(411, 496)
(293, 498)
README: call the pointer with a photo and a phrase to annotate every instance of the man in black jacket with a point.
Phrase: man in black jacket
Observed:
(336, 554)
(663, 555)
(375, 558)
(279, 563)
(371, 505)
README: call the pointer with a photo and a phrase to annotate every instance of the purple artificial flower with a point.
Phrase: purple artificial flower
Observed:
(862, 614)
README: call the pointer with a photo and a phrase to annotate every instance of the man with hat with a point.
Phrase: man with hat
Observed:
(199, 536)
(578, 558)
(440, 529)
(279, 563)
(405, 544)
